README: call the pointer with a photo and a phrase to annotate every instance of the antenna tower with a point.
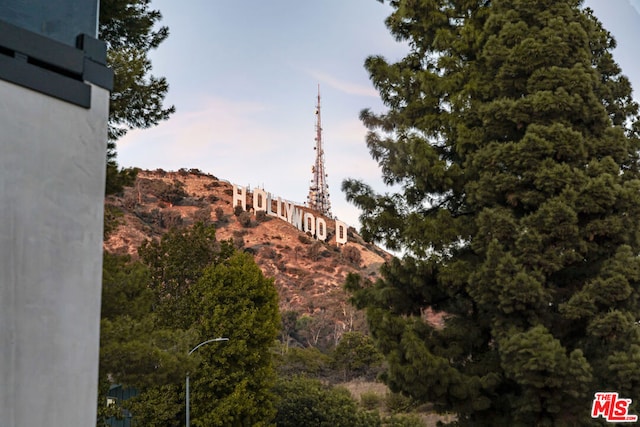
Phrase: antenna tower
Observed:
(318, 198)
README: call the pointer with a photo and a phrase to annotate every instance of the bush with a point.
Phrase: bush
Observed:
(356, 356)
(238, 242)
(269, 252)
(370, 400)
(170, 193)
(352, 255)
(171, 219)
(203, 215)
(314, 251)
(304, 239)
(308, 402)
(112, 217)
(404, 420)
(245, 219)
(220, 214)
(261, 216)
(396, 402)
(303, 361)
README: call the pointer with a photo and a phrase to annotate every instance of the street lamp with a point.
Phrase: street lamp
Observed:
(187, 387)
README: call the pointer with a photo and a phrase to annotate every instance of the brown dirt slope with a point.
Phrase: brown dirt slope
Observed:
(308, 274)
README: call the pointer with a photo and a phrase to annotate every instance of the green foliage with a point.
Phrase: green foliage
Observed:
(235, 300)
(397, 402)
(356, 356)
(189, 288)
(308, 361)
(128, 28)
(370, 400)
(403, 420)
(116, 178)
(158, 407)
(512, 142)
(176, 263)
(307, 402)
(134, 350)
(112, 217)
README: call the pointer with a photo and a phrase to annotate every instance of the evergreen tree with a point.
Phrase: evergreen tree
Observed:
(176, 262)
(129, 29)
(232, 386)
(135, 352)
(188, 288)
(512, 140)
(356, 356)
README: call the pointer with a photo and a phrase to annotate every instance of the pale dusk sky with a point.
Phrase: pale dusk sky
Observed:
(243, 76)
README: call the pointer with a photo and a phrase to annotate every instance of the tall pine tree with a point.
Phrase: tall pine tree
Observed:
(137, 99)
(511, 138)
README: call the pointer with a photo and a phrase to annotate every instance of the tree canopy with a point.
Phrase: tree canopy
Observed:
(185, 289)
(511, 140)
(308, 402)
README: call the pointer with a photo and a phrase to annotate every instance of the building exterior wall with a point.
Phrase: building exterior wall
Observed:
(52, 171)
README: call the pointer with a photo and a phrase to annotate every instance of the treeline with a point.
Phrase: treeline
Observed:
(187, 288)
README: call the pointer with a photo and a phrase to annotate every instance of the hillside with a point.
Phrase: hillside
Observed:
(308, 273)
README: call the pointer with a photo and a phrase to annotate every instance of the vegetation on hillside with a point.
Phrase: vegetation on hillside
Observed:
(308, 274)
(512, 141)
(187, 287)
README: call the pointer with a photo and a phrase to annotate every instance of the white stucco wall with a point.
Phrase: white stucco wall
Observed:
(52, 171)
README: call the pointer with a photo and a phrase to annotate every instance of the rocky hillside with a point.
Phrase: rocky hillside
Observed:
(308, 273)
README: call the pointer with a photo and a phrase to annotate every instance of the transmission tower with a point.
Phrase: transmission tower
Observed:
(318, 198)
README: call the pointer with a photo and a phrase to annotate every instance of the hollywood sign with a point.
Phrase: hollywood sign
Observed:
(288, 211)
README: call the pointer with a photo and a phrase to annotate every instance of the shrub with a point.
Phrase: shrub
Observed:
(171, 219)
(269, 252)
(404, 420)
(308, 361)
(245, 219)
(220, 214)
(261, 216)
(396, 402)
(357, 356)
(313, 251)
(352, 255)
(308, 402)
(370, 400)
(170, 193)
(203, 215)
(304, 239)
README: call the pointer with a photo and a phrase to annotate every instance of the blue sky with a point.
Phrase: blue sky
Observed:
(243, 76)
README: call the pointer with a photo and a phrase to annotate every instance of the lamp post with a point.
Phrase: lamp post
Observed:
(187, 385)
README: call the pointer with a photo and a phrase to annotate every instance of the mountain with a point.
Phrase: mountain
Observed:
(308, 273)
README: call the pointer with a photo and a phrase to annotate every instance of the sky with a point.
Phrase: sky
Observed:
(244, 78)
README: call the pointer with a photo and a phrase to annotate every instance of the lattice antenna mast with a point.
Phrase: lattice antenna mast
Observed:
(318, 198)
